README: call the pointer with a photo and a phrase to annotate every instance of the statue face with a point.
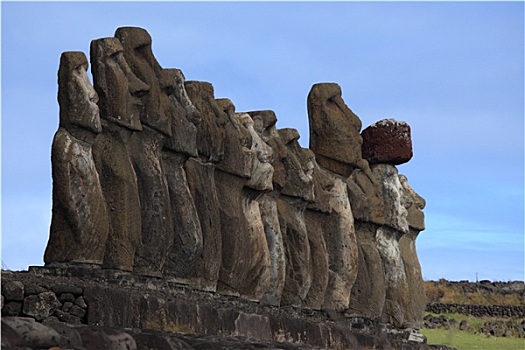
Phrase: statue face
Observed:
(139, 56)
(262, 171)
(118, 88)
(414, 204)
(77, 97)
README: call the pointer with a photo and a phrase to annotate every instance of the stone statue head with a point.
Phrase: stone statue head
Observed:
(238, 154)
(76, 96)
(298, 165)
(139, 56)
(334, 129)
(414, 204)
(184, 115)
(262, 171)
(119, 90)
(264, 123)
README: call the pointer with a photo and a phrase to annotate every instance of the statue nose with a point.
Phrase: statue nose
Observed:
(137, 87)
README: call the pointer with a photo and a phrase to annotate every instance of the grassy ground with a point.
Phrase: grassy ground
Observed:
(467, 341)
(470, 340)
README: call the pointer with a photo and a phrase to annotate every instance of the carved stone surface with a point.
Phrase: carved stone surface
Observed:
(204, 271)
(368, 292)
(145, 149)
(184, 115)
(186, 230)
(334, 130)
(210, 131)
(119, 91)
(169, 182)
(80, 224)
(387, 141)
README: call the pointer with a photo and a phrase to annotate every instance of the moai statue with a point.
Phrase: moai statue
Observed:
(120, 106)
(245, 262)
(407, 246)
(334, 130)
(387, 240)
(186, 251)
(260, 181)
(296, 193)
(264, 125)
(200, 172)
(382, 203)
(80, 224)
(333, 246)
(145, 149)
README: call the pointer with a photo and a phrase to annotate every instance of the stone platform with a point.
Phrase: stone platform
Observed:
(147, 313)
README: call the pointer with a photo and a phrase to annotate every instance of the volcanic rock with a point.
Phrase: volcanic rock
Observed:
(334, 130)
(387, 141)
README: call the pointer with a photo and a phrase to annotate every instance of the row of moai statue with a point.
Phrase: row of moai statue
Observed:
(154, 176)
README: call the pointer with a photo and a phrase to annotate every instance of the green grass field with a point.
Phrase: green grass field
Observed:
(463, 340)
(467, 341)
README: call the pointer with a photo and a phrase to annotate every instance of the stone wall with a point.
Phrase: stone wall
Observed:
(478, 310)
(144, 311)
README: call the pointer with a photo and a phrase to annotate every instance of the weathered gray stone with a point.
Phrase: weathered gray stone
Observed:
(261, 174)
(66, 306)
(244, 254)
(184, 115)
(334, 130)
(319, 259)
(34, 333)
(396, 285)
(210, 131)
(121, 340)
(188, 239)
(297, 251)
(66, 297)
(295, 194)
(138, 54)
(120, 108)
(69, 336)
(77, 311)
(12, 308)
(203, 273)
(10, 338)
(415, 203)
(297, 165)
(264, 125)
(40, 306)
(330, 215)
(13, 290)
(60, 288)
(32, 289)
(394, 200)
(417, 301)
(79, 226)
(157, 225)
(368, 292)
(238, 156)
(81, 302)
(274, 239)
(67, 317)
(145, 150)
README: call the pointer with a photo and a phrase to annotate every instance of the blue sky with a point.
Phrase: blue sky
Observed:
(453, 70)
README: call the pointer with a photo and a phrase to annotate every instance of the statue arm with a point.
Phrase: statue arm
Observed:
(62, 182)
